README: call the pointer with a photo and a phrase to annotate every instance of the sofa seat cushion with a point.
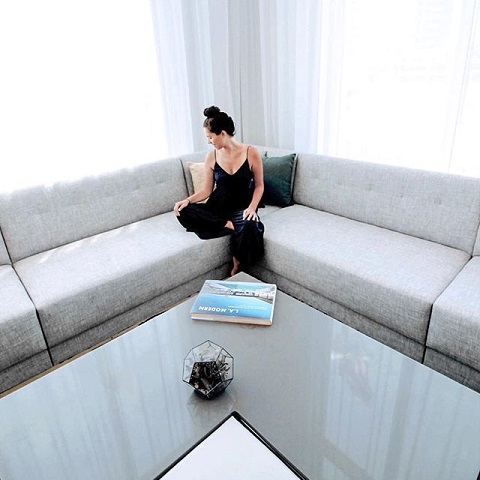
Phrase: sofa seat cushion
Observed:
(20, 333)
(80, 285)
(455, 324)
(387, 276)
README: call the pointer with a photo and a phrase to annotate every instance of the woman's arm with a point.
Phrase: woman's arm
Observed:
(250, 213)
(206, 189)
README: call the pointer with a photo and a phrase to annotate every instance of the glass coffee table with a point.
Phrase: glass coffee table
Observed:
(335, 403)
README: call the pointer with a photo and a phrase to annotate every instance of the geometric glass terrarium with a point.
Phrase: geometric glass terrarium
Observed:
(208, 368)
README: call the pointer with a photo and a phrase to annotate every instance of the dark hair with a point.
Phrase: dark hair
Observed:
(218, 121)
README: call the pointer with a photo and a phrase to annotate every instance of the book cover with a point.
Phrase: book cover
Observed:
(237, 302)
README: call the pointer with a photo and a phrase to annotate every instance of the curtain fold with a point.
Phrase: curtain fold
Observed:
(402, 74)
(388, 82)
(256, 60)
(195, 65)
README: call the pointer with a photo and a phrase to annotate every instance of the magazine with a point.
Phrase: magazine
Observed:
(237, 302)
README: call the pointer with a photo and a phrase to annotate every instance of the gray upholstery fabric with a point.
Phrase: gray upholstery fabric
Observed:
(267, 210)
(476, 248)
(378, 247)
(24, 370)
(42, 218)
(4, 257)
(113, 326)
(451, 368)
(78, 286)
(438, 207)
(455, 324)
(384, 275)
(353, 319)
(21, 336)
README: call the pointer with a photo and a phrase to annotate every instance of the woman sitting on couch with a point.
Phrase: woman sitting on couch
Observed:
(234, 188)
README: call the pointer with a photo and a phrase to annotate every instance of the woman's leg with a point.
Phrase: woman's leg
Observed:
(236, 266)
(198, 218)
(247, 241)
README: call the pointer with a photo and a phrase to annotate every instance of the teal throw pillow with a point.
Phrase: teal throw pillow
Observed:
(278, 179)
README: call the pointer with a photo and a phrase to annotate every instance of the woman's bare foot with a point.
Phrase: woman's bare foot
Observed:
(236, 267)
(229, 225)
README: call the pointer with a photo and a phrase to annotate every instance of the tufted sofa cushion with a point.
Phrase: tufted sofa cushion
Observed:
(438, 207)
(41, 218)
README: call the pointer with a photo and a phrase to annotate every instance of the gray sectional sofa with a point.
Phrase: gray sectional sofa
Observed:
(88, 259)
(392, 252)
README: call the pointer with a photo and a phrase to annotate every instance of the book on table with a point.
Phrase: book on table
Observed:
(236, 302)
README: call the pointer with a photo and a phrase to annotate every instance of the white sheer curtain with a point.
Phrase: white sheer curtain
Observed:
(79, 90)
(255, 60)
(196, 66)
(102, 84)
(408, 89)
(384, 81)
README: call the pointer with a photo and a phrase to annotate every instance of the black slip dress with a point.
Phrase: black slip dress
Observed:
(231, 196)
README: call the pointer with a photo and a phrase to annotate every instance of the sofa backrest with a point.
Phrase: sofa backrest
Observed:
(44, 217)
(434, 206)
(476, 248)
(4, 258)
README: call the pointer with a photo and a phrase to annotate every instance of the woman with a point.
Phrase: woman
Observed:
(234, 188)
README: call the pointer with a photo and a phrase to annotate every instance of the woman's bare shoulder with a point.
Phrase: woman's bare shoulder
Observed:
(210, 159)
(253, 153)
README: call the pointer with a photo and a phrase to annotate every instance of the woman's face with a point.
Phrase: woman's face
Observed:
(213, 139)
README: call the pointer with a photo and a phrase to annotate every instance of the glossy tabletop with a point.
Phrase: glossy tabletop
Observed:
(336, 403)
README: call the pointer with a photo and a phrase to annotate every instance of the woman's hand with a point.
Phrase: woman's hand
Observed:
(180, 206)
(250, 214)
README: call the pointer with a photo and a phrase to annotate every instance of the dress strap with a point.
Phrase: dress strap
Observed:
(247, 151)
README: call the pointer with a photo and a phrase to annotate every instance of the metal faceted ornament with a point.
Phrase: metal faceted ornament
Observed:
(208, 368)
